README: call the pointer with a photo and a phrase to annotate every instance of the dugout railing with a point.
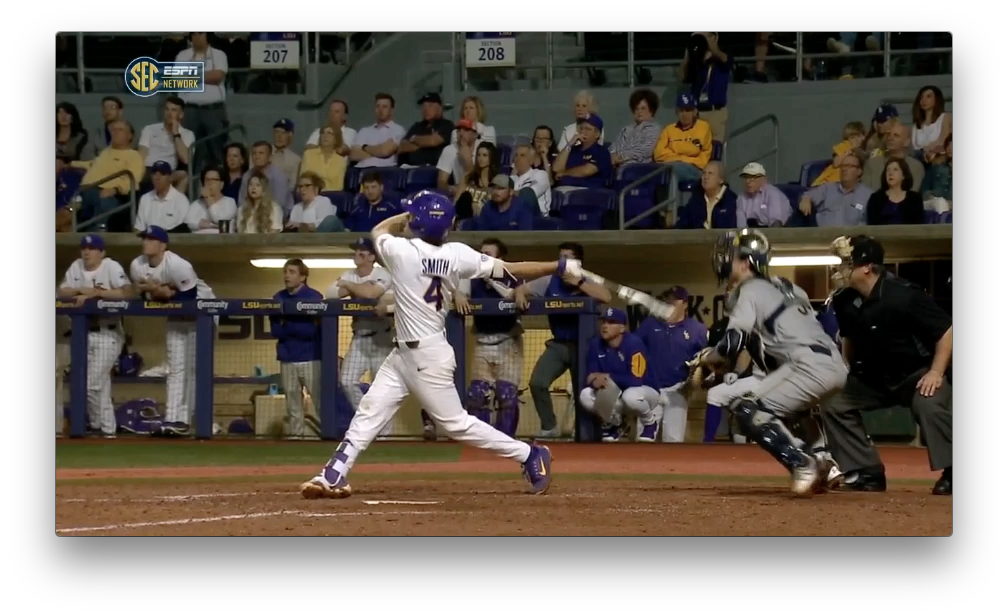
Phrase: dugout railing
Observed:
(334, 411)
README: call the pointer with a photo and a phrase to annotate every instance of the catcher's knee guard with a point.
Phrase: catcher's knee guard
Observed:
(478, 400)
(769, 431)
(507, 408)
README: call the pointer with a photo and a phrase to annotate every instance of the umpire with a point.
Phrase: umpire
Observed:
(898, 343)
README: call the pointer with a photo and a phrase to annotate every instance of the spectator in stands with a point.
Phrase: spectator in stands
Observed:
(315, 212)
(561, 351)
(164, 206)
(584, 162)
(119, 156)
(839, 204)
(546, 149)
(687, 144)
(503, 212)
(458, 157)
(206, 109)
(938, 180)
(853, 141)
(262, 161)
(533, 185)
(236, 162)
(636, 142)
(584, 106)
(474, 189)
(68, 180)
(897, 146)
(338, 112)
(258, 213)
(896, 203)
(371, 206)
(378, 144)
(71, 138)
(326, 160)
(762, 204)
(212, 212)
(708, 71)
(931, 123)
(714, 206)
(111, 110)
(169, 141)
(474, 111)
(283, 156)
(425, 140)
(886, 117)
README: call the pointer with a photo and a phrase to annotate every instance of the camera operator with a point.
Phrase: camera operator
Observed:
(708, 71)
(898, 343)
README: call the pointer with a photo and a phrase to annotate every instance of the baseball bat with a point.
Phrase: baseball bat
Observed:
(633, 296)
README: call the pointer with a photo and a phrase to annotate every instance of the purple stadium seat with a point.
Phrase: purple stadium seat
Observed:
(811, 170)
(506, 153)
(505, 169)
(945, 218)
(503, 140)
(793, 191)
(641, 198)
(931, 217)
(419, 178)
(718, 150)
(341, 199)
(391, 177)
(522, 140)
(469, 224)
(546, 223)
(584, 208)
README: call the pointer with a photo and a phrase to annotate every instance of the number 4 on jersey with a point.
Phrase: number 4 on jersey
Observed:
(434, 295)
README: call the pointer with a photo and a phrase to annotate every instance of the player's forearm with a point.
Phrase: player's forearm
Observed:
(125, 292)
(395, 225)
(364, 290)
(531, 269)
(598, 291)
(943, 353)
(67, 292)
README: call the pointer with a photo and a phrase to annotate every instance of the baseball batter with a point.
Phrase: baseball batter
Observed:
(618, 382)
(498, 360)
(372, 335)
(425, 270)
(161, 275)
(810, 365)
(95, 276)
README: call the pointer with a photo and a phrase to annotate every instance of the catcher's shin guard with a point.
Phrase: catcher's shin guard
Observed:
(478, 400)
(769, 432)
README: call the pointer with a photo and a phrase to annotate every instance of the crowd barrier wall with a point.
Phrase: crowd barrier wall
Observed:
(211, 369)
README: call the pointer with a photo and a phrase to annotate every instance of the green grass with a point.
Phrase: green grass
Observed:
(153, 453)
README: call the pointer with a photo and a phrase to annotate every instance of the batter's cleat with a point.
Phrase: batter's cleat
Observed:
(805, 478)
(611, 434)
(538, 469)
(174, 428)
(944, 485)
(830, 476)
(648, 433)
(869, 479)
(319, 487)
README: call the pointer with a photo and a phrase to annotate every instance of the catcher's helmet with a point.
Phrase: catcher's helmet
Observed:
(433, 214)
(854, 251)
(747, 244)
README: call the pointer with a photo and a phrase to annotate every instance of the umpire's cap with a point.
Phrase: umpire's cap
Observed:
(866, 250)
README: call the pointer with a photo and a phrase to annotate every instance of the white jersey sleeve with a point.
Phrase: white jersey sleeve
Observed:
(116, 274)
(179, 273)
(381, 277)
(472, 264)
(136, 270)
(73, 279)
(391, 249)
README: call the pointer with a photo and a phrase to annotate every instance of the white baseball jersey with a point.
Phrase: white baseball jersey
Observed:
(108, 275)
(424, 277)
(174, 271)
(381, 277)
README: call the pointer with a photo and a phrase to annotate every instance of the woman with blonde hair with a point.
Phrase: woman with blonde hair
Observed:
(325, 160)
(584, 105)
(474, 111)
(258, 213)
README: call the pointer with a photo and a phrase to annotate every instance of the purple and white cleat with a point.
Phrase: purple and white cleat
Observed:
(537, 470)
(331, 482)
(648, 433)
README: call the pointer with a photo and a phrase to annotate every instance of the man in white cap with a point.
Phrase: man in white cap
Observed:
(761, 204)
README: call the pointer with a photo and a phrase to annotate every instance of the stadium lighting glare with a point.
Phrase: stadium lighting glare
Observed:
(804, 261)
(311, 263)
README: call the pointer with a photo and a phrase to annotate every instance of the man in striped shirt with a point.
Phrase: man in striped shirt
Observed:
(636, 142)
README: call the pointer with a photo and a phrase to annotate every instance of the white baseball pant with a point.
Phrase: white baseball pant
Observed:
(724, 394)
(293, 377)
(674, 408)
(366, 354)
(104, 347)
(62, 362)
(641, 401)
(428, 372)
(180, 340)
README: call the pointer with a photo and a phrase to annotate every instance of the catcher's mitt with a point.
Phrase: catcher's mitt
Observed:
(701, 375)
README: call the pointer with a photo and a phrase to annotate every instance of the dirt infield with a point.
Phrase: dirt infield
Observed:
(666, 491)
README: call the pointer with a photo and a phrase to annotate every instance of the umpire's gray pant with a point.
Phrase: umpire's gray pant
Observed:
(294, 376)
(849, 441)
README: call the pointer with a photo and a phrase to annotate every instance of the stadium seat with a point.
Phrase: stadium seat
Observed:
(945, 218)
(583, 209)
(391, 177)
(506, 152)
(503, 140)
(931, 217)
(546, 223)
(341, 199)
(505, 169)
(522, 140)
(717, 150)
(793, 191)
(642, 197)
(811, 170)
(469, 224)
(419, 178)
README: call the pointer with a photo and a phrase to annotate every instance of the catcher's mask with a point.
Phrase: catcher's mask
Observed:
(747, 244)
(854, 251)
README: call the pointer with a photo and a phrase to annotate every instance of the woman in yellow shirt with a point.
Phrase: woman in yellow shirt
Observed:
(325, 161)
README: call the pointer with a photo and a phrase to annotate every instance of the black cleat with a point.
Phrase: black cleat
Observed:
(943, 487)
(869, 479)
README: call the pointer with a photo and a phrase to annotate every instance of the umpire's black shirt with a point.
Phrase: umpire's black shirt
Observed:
(892, 332)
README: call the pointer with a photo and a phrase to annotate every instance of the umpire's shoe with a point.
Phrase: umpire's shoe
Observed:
(944, 485)
(868, 479)
(538, 469)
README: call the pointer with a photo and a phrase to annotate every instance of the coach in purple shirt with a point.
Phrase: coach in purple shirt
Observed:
(262, 157)
(502, 212)
(761, 204)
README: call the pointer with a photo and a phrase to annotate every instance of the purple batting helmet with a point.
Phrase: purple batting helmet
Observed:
(433, 214)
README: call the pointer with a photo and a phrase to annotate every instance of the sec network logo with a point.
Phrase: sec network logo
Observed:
(146, 77)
